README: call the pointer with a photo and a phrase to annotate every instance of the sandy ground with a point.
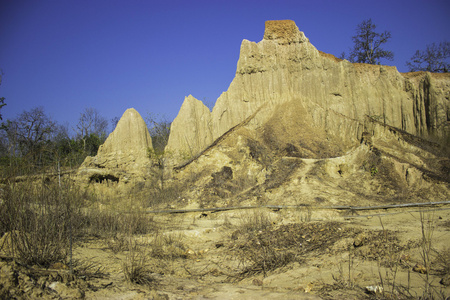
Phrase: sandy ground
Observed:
(332, 255)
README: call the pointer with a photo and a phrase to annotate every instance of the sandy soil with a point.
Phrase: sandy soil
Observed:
(321, 254)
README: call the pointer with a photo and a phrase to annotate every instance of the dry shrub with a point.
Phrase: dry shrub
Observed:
(166, 193)
(87, 270)
(263, 257)
(272, 247)
(138, 223)
(136, 267)
(42, 219)
(117, 228)
(168, 246)
(254, 221)
(108, 223)
(118, 242)
(442, 261)
(258, 255)
(141, 262)
(100, 223)
(383, 246)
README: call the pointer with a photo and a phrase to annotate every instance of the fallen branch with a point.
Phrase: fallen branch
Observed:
(278, 207)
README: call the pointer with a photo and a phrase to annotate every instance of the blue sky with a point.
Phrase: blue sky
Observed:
(67, 55)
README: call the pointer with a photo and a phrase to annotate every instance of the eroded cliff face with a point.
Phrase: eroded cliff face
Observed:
(336, 95)
(124, 155)
(295, 127)
(192, 129)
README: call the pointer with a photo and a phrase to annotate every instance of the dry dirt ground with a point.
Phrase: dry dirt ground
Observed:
(256, 254)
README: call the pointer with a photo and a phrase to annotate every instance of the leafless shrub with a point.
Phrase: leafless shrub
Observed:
(171, 193)
(136, 267)
(88, 270)
(42, 219)
(341, 280)
(442, 261)
(168, 246)
(118, 242)
(263, 257)
(254, 221)
(430, 255)
(273, 247)
(108, 223)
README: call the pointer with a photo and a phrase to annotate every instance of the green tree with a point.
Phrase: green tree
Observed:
(435, 58)
(368, 44)
(69, 151)
(92, 142)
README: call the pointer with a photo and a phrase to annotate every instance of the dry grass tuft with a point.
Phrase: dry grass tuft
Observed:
(136, 267)
(254, 221)
(442, 261)
(168, 246)
(107, 223)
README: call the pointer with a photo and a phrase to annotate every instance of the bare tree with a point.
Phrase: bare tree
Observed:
(30, 135)
(91, 129)
(34, 128)
(114, 122)
(367, 46)
(91, 121)
(435, 58)
(2, 99)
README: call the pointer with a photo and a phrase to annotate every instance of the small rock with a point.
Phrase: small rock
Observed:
(359, 240)
(235, 235)
(202, 252)
(190, 253)
(67, 277)
(420, 269)
(374, 289)
(308, 287)
(257, 282)
(66, 292)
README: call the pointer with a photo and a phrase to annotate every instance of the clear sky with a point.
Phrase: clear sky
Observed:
(66, 55)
